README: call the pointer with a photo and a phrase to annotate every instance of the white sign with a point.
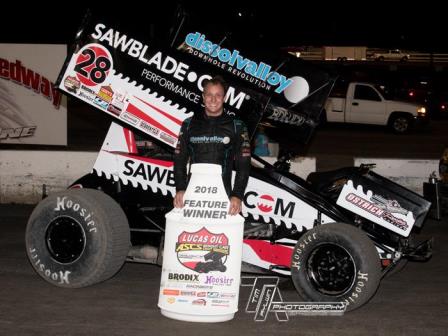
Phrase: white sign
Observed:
(32, 110)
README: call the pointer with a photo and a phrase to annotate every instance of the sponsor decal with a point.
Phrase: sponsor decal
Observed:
(219, 280)
(129, 118)
(106, 93)
(227, 295)
(149, 172)
(376, 208)
(199, 302)
(72, 84)
(88, 90)
(203, 251)
(101, 103)
(183, 277)
(237, 63)
(198, 287)
(213, 295)
(365, 205)
(87, 97)
(114, 109)
(269, 205)
(283, 115)
(167, 138)
(170, 300)
(391, 206)
(209, 139)
(187, 293)
(167, 84)
(87, 93)
(171, 292)
(147, 127)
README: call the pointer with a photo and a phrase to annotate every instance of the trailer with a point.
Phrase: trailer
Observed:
(343, 54)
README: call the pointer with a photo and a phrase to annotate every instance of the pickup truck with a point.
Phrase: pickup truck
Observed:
(366, 103)
(393, 55)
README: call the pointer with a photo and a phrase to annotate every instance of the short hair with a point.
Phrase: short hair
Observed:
(216, 80)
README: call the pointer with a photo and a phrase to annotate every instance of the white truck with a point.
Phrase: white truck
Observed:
(343, 54)
(392, 55)
(366, 103)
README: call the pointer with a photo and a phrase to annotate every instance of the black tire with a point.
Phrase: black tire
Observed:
(400, 124)
(77, 238)
(336, 263)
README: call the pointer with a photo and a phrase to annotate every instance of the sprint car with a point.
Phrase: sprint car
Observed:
(336, 234)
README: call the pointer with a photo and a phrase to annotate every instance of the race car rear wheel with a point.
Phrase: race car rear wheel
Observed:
(77, 238)
(336, 263)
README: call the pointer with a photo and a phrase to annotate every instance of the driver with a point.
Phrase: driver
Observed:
(214, 137)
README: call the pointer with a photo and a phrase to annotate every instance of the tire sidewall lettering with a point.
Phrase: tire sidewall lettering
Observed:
(66, 206)
(59, 276)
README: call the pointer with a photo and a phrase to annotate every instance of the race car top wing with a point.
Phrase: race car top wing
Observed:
(153, 88)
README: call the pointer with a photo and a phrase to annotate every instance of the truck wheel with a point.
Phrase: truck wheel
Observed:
(336, 263)
(77, 238)
(400, 124)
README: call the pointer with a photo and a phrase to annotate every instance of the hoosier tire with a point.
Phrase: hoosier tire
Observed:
(77, 238)
(336, 263)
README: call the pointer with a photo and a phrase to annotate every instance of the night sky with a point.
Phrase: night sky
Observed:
(374, 24)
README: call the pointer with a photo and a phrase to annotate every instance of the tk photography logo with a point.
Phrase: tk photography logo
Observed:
(265, 298)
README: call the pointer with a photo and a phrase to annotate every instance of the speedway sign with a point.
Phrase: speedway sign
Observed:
(32, 110)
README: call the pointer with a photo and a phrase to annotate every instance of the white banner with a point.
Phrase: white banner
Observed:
(32, 110)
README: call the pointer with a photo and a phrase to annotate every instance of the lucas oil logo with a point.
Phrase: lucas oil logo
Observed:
(203, 251)
(268, 205)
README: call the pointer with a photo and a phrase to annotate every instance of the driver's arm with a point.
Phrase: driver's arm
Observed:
(242, 160)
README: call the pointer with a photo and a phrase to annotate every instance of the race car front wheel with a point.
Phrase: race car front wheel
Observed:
(336, 263)
(77, 238)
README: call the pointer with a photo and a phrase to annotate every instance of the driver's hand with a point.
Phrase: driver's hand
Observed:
(235, 206)
(178, 201)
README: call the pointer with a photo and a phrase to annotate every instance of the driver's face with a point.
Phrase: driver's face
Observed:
(213, 96)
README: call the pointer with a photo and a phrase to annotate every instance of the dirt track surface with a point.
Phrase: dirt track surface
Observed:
(412, 302)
